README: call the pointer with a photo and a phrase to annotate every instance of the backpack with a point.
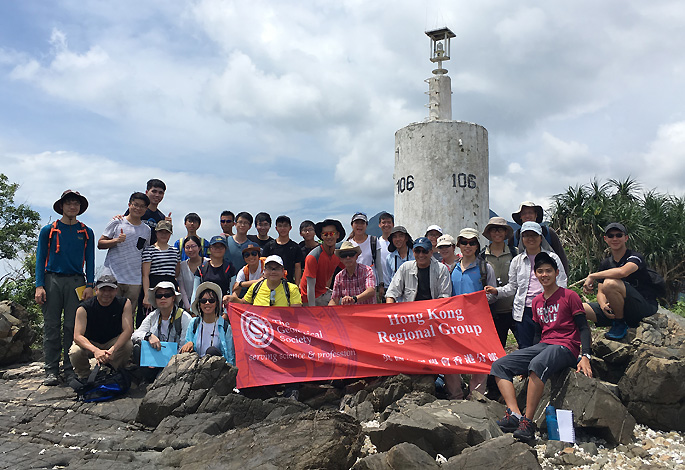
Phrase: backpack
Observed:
(176, 322)
(56, 231)
(658, 283)
(284, 283)
(102, 385)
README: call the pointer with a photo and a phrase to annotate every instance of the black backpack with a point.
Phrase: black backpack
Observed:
(285, 289)
(658, 283)
(103, 384)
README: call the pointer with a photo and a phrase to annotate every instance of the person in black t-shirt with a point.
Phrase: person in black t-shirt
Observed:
(103, 329)
(217, 269)
(262, 223)
(625, 294)
(288, 250)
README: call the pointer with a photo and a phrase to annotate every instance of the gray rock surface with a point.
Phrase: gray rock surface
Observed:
(16, 335)
(441, 427)
(500, 453)
(403, 456)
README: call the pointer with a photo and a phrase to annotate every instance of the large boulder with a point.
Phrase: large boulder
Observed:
(441, 427)
(653, 389)
(500, 453)
(314, 439)
(184, 384)
(16, 335)
(595, 407)
(403, 456)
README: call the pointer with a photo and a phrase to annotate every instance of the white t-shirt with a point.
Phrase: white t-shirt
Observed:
(208, 337)
(366, 257)
(252, 276)
(164, 330)
(383, 244)
(125, 259)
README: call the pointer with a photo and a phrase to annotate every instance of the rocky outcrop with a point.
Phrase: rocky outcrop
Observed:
(16, 335)
(441, 427)
(500, 453)
(405, 456)
(313, 439)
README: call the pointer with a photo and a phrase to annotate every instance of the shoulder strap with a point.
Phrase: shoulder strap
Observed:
(514, 251)
(483, 271)
(256, 289)
(374, 246)
(196, 322)
(286, 289)
(547, 235)
(177, 321)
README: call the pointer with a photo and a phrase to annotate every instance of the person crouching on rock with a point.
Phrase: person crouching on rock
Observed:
(209, 333)
(103, 328)
(166, 323)
(561, 328)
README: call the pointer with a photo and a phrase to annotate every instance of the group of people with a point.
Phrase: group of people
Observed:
(178, 292)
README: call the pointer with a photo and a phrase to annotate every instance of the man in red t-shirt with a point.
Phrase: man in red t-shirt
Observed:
(321, 264)
(561, 328)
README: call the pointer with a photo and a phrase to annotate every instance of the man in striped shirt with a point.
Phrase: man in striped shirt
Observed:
(356, 284)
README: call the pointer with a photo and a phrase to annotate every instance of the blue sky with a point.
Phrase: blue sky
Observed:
(291, 107)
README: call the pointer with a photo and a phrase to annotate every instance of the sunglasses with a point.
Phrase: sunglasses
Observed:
(614, 235)
(205, 300)
(226, 221)
(329, 234)
(420, 251)
(247, 254)
(347, 254)
(469, 243)
(163, 295)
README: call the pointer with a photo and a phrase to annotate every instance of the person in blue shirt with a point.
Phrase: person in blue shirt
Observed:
(467, 277)
(64, 248)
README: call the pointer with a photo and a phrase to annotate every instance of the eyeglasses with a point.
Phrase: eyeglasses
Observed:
(226, 221)
(468, 243)
(190, 247)
(273, 269)
(347, 254)
(247, 254)
(163, 295)
(420, 251)
(205, 300)
(329, 234)
(138, 206)
(272, 298)
(614, 235)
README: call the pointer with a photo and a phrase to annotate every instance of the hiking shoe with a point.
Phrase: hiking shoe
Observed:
(618, 330)
(526, 430)
(51, 379)
(509, 423)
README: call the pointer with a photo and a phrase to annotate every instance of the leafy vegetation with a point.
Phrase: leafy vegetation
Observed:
(655, 224)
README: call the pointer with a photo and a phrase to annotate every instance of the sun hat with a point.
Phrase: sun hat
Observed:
(318, 228)
(498, 222)
(538, 212)
(399, 229)
(57, 206)
(195, 307)
(347, 246)
(162, 285)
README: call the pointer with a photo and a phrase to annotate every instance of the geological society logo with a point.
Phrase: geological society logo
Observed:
(257, 331)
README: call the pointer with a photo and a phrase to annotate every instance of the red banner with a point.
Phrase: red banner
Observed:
(277, 345)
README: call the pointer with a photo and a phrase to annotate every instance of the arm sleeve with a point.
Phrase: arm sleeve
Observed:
(41, 255)
(585, 336)
(396, 286)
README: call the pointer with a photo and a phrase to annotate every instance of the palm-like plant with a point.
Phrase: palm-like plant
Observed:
(655, 223)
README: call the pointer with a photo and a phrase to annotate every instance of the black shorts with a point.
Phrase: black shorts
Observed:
(635, 308)
(542, 358)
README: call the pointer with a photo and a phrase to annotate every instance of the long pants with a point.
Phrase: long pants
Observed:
(80, 358)
(453, 383)
(60, 293)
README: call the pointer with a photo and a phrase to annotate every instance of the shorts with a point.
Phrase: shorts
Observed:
(543, 359)
(635, 308)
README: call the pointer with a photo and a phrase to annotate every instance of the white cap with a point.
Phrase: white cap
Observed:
(434, 227)
(273, 259)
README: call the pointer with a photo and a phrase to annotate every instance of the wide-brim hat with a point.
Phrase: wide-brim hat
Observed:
(318, 228)
(348, 246)
(498, 222)
(195, 307)
(57, 206)
(162, 285)
(538, 212)
(399, 229)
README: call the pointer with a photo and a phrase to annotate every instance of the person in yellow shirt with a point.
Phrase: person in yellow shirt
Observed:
(274, 290)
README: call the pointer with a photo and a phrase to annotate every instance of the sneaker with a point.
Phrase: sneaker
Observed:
(526, 430)
(509, 423)
(51, 379)
(618, 330)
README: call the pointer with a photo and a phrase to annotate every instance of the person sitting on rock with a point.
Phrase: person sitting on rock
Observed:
(625, 293)
(166, 323)
(561, 328)
(103, 328)
(273, 290)
(209, 333)
(356, 284)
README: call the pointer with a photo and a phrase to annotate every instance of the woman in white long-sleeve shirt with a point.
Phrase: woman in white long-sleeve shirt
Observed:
(524, 285)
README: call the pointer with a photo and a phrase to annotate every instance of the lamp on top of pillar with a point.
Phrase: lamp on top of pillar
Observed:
(440, 47)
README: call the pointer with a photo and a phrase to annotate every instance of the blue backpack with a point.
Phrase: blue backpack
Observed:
(102, 385)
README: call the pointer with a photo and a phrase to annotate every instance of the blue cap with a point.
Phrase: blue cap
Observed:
(532, 227)
(424, 243)
(218, 239)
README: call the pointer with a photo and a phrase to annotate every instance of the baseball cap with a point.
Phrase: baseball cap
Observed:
(445, 240)
(424, 243)
(531, 226)
(617, 226)
(218, 239)
(273, 259)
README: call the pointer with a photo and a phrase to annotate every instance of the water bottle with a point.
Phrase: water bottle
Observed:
(552, 424)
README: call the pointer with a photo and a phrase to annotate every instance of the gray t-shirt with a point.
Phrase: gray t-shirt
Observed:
(125, 259)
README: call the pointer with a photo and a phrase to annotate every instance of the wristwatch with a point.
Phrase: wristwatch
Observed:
(147, 336)
(354, 297)
(589, 356)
